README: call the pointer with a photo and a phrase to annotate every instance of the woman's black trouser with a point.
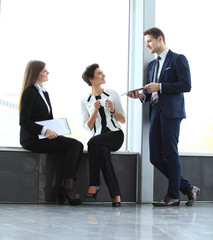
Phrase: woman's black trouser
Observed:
(71, 148)
(99, 148)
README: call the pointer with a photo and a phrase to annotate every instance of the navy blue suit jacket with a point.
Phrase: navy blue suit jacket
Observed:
(33, 108)
(175, 79)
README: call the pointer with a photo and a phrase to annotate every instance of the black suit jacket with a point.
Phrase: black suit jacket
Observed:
(33, 108)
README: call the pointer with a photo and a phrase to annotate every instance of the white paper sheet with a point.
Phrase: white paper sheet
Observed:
(60, 126)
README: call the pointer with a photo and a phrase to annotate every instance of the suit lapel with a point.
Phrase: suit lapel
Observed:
(46, 95)
(166, 63)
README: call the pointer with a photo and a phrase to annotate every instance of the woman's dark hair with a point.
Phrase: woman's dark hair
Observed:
(89, 73)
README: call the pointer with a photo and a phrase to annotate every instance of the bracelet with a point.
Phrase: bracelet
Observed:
(112, 112)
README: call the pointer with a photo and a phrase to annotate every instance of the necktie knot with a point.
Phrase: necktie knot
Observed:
(158, 58)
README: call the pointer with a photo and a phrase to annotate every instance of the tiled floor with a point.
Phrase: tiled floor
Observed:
(101, 221)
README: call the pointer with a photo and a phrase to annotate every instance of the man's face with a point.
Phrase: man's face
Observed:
(153, 44)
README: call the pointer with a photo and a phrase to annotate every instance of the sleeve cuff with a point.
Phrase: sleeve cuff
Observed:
(143, 100)
(44, 129)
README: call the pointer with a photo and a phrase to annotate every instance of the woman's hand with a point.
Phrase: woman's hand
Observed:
(50, 134)
(109, 105)
(92, 118)
(97, 105)
(118, 116)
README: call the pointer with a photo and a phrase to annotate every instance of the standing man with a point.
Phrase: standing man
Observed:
(169, 77)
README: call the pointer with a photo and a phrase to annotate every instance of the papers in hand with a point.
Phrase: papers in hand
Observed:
(60, 126)
(132, 91)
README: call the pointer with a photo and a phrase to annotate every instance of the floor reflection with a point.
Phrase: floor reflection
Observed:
(101, 221)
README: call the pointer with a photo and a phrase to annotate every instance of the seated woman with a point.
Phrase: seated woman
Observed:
(34, 105)
(101, 112)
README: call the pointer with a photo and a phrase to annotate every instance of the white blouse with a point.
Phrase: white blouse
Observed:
(87, 106)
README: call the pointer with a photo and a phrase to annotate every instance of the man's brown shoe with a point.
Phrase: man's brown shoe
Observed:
(192, 196)
(167, 202)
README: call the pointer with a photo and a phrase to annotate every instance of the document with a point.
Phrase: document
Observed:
(132, 91)
(60, 126)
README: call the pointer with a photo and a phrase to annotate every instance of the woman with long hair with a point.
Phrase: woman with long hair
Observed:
(35, 105)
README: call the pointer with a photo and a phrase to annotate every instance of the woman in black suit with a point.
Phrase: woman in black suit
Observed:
(34, 105)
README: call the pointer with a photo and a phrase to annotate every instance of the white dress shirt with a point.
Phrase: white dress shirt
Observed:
(161, 62)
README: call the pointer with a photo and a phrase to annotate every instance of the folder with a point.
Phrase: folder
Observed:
(132, 91)
(60, 126)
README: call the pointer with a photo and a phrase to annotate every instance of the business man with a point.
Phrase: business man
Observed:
(169, 77)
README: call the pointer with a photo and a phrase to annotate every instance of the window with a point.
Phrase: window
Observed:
(68, 36)
(187, 27)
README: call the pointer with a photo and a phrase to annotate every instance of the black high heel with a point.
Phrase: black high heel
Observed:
(92, 195)
(63, 196)
(116, 204)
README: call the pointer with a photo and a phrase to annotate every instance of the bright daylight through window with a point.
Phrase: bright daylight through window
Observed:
(67, 36)
(185, 32)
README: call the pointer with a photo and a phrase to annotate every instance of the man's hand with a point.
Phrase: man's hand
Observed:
(152, 87)
(136, 94)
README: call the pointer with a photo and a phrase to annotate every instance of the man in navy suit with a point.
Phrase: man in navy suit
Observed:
(169, 77)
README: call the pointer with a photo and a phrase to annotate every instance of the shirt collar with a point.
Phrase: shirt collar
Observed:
(40, 88)
(163, 54)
